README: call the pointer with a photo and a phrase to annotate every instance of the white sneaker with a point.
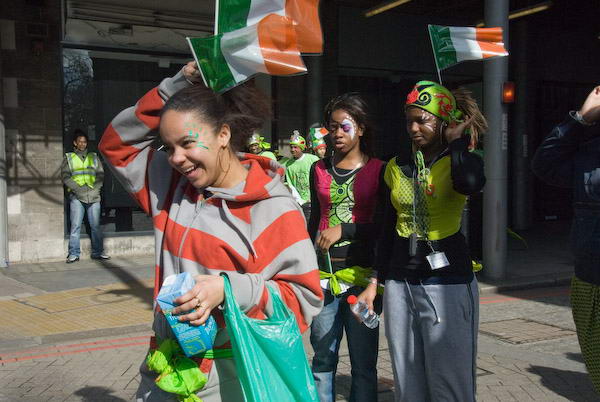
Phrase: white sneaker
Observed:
(72, 258)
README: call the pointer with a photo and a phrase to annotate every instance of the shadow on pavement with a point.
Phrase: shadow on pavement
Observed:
(571, 385)
(94, 394)
(136, 287)
(577, 357)
(385, 392)
(542, 259)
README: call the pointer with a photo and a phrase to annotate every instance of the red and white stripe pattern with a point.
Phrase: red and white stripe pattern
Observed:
(263, 237)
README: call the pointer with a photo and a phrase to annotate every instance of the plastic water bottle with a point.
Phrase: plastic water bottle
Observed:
(361, 310)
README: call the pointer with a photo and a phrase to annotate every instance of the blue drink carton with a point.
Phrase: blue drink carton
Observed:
(193, 340)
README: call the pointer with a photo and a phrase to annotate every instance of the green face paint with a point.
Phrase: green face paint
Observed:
(194, 131)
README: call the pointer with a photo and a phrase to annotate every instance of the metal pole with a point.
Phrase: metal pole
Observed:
(521, 200)
(314, 91)
(495, 73)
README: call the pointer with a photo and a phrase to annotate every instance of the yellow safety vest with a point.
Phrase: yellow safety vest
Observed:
(443, 206)
(83, 172)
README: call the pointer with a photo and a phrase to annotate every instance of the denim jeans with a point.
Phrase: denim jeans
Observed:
(77, 210)
(325, 335)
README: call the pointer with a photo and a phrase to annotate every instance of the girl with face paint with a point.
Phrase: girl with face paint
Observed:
(215, 211)
(431, 299)
(344, 195)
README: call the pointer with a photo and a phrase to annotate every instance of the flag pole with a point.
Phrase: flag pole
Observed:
(434, 56)
(189, 41)
(216, 17)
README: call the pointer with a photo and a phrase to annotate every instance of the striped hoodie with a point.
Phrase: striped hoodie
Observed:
(254, 232)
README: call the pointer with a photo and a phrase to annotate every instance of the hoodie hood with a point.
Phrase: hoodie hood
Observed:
(264, 181)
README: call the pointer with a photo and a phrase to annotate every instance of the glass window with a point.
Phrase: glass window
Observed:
(95, 90)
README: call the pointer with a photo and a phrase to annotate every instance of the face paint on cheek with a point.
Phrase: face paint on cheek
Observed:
(429, 121)
(194, 131)
(348, 127)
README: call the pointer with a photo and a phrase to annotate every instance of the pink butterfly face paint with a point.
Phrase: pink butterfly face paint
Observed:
(348, 126)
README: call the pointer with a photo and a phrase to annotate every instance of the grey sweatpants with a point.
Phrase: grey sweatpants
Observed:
(432, 336)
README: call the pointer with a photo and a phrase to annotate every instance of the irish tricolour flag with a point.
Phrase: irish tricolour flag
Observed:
(235, 14)
(228, 59)
(451, 45)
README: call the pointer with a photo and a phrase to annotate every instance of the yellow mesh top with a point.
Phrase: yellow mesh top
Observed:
(438, 211)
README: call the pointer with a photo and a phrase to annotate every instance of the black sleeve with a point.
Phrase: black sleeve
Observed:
(466, 168)
(315, 207)
(385, 223)
(553, 160)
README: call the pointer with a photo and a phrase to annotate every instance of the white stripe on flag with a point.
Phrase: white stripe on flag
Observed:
(260, 8)
(465, 43)
(242, 53)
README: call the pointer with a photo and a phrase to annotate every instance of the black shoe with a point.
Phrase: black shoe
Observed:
(101, 257)
(72, 258)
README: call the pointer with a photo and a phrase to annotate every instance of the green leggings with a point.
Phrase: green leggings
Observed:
(585, 301)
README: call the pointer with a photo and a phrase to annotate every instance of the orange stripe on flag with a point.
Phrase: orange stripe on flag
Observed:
(488, 34)
(279, 47)
(305, 14)
(492, 49)
(490, 41)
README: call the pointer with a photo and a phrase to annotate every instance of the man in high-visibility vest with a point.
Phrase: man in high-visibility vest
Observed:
(82, 173)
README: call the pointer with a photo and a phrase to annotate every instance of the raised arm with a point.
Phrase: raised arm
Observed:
(553, 160)
(126, 143)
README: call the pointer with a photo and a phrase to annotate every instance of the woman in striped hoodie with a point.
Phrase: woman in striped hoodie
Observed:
(214, 210)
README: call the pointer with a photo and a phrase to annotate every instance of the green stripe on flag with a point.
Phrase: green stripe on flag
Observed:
(443, 48)
(233, 14)
(211, 62)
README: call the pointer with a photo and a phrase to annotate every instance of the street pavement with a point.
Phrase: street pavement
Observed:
(78, 332)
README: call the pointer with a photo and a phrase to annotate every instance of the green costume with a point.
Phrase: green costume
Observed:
(297, 172)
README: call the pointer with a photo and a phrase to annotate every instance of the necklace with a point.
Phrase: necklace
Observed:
(358, 166)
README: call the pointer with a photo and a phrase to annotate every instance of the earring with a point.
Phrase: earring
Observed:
(220, 164)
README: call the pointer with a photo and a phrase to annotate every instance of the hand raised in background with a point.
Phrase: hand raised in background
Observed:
(590, 111)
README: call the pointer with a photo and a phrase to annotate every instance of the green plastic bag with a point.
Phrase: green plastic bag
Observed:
(269, 356)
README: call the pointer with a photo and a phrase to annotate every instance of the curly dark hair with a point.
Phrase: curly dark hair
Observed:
(353, 104)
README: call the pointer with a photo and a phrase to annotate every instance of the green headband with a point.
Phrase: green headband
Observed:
(435, 99)
(260, 140)
(298, 140)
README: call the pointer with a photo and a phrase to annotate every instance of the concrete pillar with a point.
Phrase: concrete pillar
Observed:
(495, 203)
(3, 192)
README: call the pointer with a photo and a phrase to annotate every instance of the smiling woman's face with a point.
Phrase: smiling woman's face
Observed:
(193, 146)
(422, 127)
